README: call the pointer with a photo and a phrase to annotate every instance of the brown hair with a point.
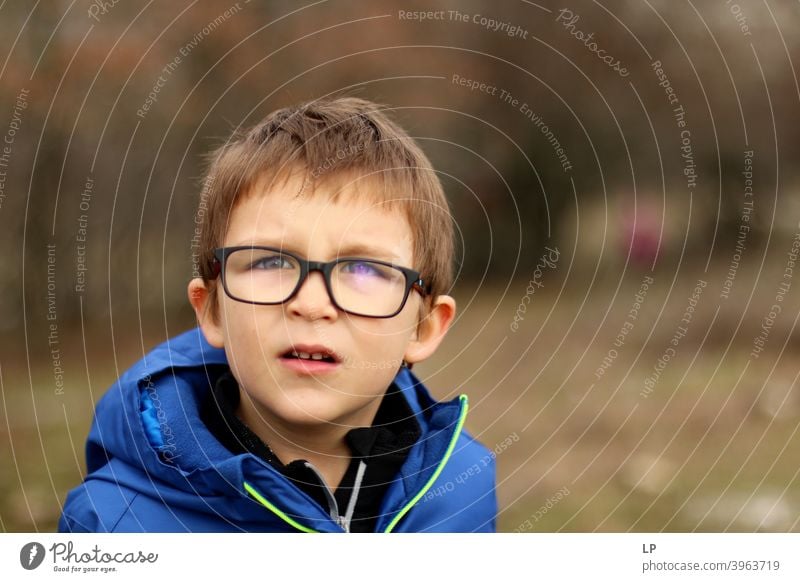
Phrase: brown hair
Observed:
(331, 141)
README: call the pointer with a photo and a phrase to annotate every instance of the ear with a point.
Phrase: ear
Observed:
(199, 297)
(431, 330)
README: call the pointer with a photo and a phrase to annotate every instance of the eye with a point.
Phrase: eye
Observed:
(364, 269)
(272, 262)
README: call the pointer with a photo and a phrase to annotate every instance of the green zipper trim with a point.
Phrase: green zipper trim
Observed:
(260, 498)
(462, 416)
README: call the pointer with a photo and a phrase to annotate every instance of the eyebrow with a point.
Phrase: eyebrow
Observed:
(347, 250)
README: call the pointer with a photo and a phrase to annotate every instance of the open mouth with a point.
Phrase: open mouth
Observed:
(310, 360)
(308, 356)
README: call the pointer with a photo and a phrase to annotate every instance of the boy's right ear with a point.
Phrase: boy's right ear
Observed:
(200, 297)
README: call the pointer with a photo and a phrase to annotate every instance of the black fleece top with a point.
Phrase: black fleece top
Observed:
(383, 447)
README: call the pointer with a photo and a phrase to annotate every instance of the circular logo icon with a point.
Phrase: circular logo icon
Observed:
(31, 555)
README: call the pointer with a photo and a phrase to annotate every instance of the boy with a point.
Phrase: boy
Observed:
(326, 255)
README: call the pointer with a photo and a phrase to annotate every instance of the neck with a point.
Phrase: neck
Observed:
(322, 445)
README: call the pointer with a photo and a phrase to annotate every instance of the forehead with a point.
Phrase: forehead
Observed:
(332, 218)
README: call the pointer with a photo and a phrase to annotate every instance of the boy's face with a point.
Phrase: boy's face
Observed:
(369, 350)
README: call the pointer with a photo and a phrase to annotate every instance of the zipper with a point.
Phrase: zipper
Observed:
(343, 522)
(333, 507)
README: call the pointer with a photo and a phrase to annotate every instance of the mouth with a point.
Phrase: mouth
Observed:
(310, 359)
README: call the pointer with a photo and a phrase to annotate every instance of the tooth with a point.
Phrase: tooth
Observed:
(316, 356)
(295, 354)
(304, 355)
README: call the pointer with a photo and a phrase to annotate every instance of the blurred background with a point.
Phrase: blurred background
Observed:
(624, 180)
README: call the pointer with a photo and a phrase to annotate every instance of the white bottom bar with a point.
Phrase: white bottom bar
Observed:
(401, 557)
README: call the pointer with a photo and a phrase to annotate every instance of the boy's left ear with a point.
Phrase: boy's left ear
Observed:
(431, 330)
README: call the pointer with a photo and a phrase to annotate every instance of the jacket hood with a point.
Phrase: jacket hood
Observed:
(150, 420)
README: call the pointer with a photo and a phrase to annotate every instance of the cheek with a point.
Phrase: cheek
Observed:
(244, 331)
(387, 339)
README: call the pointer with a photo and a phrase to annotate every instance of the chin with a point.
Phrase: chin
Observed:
(311, 411)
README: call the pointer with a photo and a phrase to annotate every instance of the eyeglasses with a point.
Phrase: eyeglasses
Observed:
(270, 276)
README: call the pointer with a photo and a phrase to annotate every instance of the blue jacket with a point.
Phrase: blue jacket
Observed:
(154, 466)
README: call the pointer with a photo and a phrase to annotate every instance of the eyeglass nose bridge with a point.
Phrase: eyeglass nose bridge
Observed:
(308, 267)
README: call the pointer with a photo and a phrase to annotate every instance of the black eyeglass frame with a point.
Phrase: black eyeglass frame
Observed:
(413, 278)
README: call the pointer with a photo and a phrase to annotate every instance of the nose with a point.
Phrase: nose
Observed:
(312, 300)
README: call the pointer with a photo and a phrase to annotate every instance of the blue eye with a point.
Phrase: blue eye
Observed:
(272, 262)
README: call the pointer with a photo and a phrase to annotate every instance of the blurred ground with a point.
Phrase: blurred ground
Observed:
(712, 447)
